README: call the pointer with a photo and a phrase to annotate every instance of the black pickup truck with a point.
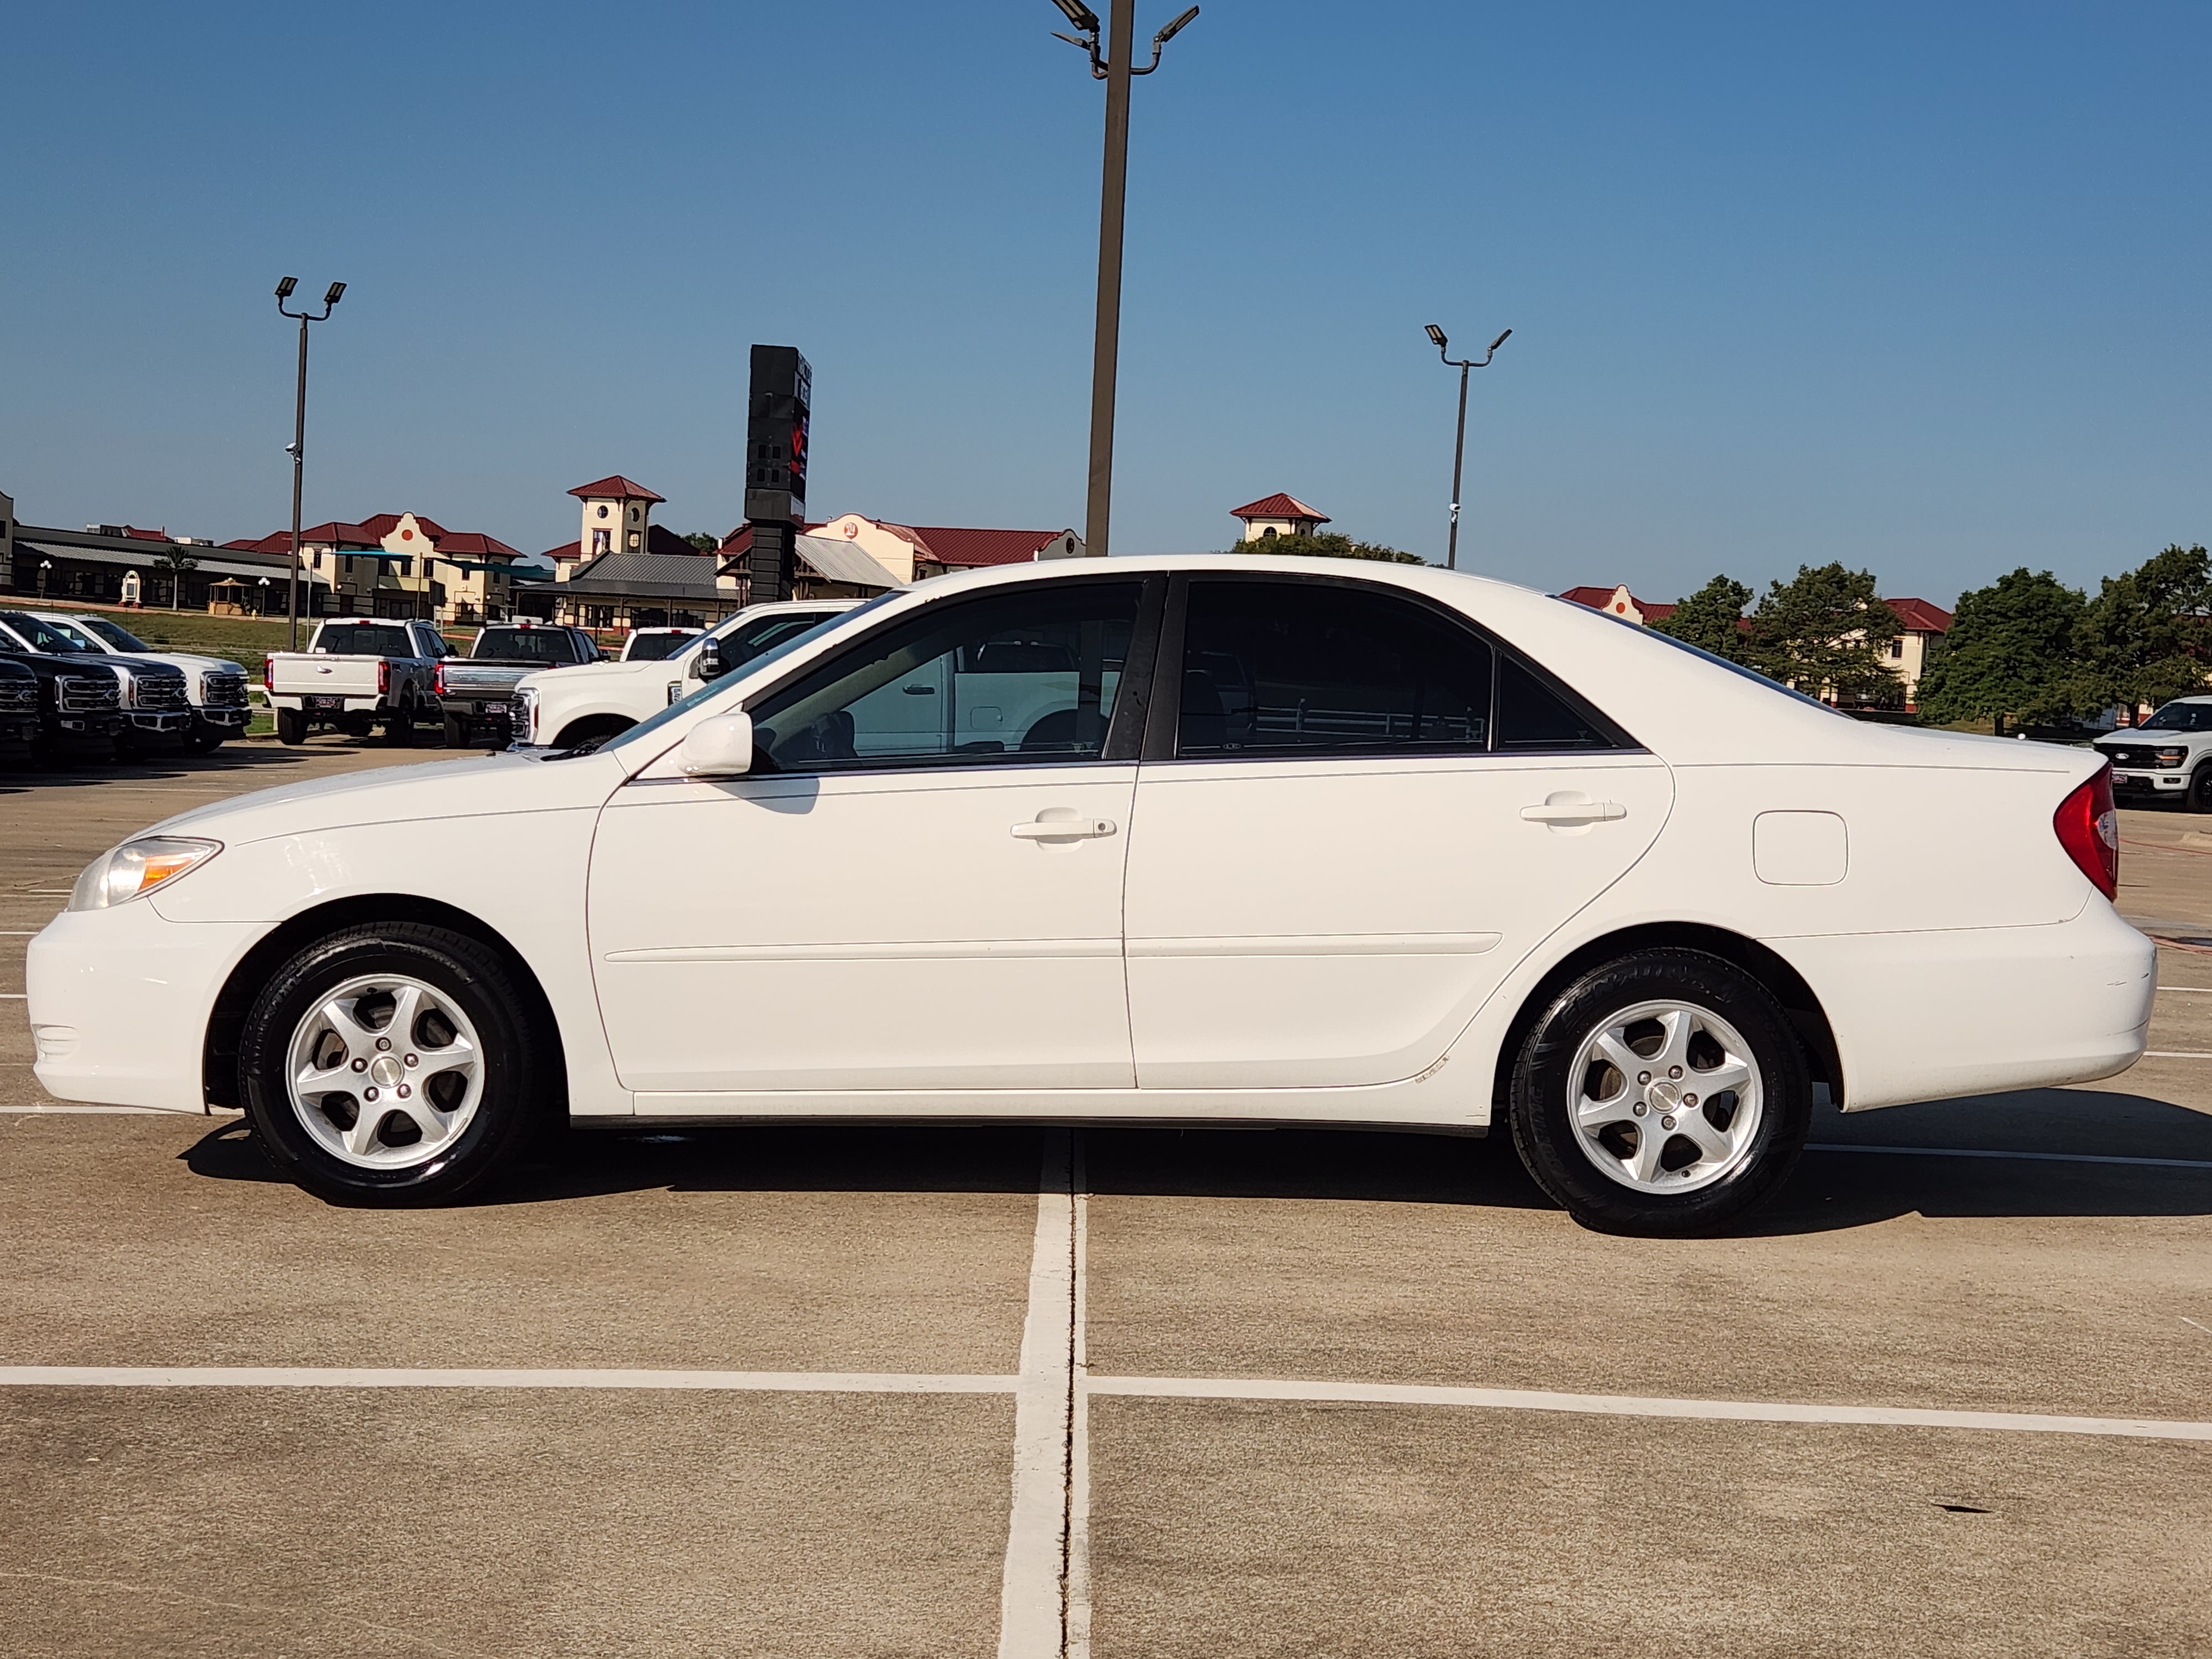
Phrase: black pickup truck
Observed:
(478, 691)
(19, 710)
(77, 702)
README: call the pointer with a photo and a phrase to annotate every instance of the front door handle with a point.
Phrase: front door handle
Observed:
(1057, 824)
(1572, 807)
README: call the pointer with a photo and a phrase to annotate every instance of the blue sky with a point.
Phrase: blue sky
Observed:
(1921, 288)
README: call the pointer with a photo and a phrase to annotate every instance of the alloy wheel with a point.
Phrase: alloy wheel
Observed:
(384, 1071)
(1666, 1097)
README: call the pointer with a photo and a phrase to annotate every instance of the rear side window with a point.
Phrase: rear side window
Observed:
(1533, 719)
(1302, 668)
(363, 639)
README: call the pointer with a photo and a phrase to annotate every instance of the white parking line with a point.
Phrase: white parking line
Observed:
(2035, 1157)
(2177, 1053)
(1077, 1641)
(343, 1376)
(1624, 1405)
(1032, 1608)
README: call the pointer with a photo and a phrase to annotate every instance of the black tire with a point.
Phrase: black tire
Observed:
(1543, 1090)
(515, 1054)
(204, 742)
(399, 730)
(2199, 798)
(292, 726)
(456, 732)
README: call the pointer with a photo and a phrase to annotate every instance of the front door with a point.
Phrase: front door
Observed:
(1370, 813)
(919, 889)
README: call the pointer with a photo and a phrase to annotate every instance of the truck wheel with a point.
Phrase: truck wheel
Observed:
(456, 732)
(399, 730)
(393, 1064)
(292, 726)
(2199, 798)
(1662, 1095)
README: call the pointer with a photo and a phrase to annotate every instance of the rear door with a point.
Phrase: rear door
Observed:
(1361, 815)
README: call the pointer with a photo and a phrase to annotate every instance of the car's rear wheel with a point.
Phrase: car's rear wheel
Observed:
(393, 1065)
(1662, 1094)
(292, 726)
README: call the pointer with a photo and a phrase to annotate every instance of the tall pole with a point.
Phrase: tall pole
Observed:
(1106, 343)
(299, 461)
(1459, 453)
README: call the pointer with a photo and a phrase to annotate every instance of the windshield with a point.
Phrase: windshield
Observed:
(656, 645)
(2181, 717)
(46, 636)
(546, 645)
(363, 639)
(781, 649)
(99, 628)
(1735, 668)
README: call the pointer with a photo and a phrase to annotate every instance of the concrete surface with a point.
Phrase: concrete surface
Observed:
(556, 1520)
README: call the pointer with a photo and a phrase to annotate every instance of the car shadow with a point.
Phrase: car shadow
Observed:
(1830, 1190)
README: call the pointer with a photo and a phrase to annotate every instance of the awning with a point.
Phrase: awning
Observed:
(203, 565)
(840, 561)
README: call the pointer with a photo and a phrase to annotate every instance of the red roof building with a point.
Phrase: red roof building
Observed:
(616, 488)
(1618, 602)
(1278, 514)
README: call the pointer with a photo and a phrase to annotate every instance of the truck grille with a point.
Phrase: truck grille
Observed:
(18, 697)
(222, 690)
(76, 695)
(2141, 759)
(163, 694)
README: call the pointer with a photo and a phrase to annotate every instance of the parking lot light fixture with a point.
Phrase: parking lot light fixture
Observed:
(1114, 67)
(298, 447)
(1459, 443)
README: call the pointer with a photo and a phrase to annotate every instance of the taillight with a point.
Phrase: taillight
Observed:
(438, 679)
(383, 677)
(2089, 830)
(269, 675)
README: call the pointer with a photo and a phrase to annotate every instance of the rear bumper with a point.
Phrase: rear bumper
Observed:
(1934, 1015)
(119, 999)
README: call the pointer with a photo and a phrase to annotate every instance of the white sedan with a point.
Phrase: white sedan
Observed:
(1201, 839)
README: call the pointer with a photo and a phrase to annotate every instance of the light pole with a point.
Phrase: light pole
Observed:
(264, 594)
(44, 565)
(1459, 444)
(298, 447)
(1114, 70)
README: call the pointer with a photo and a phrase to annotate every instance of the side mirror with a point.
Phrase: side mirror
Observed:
(721, 746)
(711, 665)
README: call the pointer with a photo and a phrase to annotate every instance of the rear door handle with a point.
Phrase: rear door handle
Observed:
(1568, 809)
(1070, 828)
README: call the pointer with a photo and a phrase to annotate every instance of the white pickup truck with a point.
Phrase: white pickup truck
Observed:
(357, 673)
(2168, 757)
(582, 707)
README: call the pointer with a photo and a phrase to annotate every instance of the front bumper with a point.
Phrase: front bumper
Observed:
(2139, 783)
(230, 721)
(119, 1001)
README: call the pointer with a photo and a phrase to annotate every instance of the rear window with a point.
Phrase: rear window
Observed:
(545, 645)
(363, 639)
(655, 647)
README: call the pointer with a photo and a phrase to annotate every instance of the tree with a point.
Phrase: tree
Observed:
(1827, 633)
(2011, 652)
(1712, 619)
(1327, 544)
(703, 542)
(2147, 635)
(177, 561)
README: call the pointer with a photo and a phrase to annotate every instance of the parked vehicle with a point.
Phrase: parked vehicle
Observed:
(657, 644)
(356, 674)
(79, 702)
(586, 707)
(477, 692)
(155, 706)
(1467, 856)
(214, 686)
(19, 710)
(2168, 757)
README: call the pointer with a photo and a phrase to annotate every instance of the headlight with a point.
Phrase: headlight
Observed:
(137, 868)
(2169, 758)
(525, 713)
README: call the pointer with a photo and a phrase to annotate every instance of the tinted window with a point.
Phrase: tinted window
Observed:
(654, 647)
(2181, 717)
(363, 640)
(1024, 676)
(1299, 667)
(121, 638)
(45, 636)
(553, 646)
(743, 644)
(1531, 716)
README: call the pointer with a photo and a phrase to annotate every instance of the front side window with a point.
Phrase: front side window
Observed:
(1026, 676)
(2181, 717)
(45, 636)
(121, 638)
(1303, 668)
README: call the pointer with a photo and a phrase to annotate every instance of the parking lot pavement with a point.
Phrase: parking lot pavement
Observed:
(880, 1391)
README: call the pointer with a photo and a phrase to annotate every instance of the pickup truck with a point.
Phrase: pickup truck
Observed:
(19, 710)
(78, 703)
(582, 707)
(476, 692)
(214, 686)
(154, 703)
(2168, 757)
(357, 673)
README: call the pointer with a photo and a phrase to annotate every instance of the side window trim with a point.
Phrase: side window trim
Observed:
(1166, 712)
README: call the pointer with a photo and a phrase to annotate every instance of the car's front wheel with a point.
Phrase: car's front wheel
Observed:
(1662, 1094)
(393, 1065)
(2199, 798)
